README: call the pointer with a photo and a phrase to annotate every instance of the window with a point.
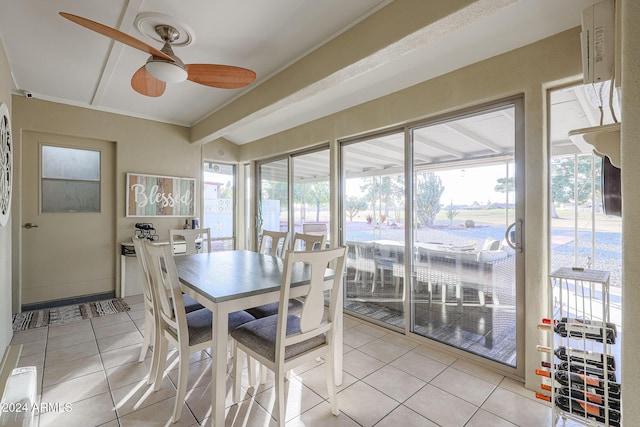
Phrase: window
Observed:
(70, 180)
(218, 202)
(582, 234)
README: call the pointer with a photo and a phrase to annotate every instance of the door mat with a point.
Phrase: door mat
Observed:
(70, 313)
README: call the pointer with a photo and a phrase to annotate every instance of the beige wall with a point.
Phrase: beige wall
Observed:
(524, 71)
(5, 232)
(630, 152)
(142, 146)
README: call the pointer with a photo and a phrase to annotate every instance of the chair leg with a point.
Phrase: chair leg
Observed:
(251, 368)
(154, 354)
(331, 384)
(148, 333)
(263, 374)
(183, 376)
(280, 399)
(158, 365)
(237, 374)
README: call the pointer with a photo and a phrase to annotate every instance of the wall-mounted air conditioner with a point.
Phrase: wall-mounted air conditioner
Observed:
(598, 41)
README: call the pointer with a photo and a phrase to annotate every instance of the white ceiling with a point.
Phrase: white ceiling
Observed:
(57, 60)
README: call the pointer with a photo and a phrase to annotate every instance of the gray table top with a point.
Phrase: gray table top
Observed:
(228, 275)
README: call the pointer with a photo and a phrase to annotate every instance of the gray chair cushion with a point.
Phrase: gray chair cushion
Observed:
(295, 307)
(260, 336)
(200, 322)
(238, 318)
(190, 304)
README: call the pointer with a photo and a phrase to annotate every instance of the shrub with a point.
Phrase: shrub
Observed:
(469, 223)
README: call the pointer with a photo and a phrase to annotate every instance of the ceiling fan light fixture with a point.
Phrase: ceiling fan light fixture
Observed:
(166, 71)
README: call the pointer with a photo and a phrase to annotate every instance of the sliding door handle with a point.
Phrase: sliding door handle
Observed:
(513, 235)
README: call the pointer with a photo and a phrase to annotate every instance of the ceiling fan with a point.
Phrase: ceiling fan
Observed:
(164, 66)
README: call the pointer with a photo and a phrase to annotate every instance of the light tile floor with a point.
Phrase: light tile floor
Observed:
(389, 380)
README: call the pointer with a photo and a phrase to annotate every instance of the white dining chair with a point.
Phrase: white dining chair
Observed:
(149, 298)
(195, 240)
(309, 242)
(150, 320)
(188, 332)
(271, 241)
(285, 341)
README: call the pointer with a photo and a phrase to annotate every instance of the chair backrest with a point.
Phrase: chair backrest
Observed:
(309, 242)
(387, 251)
(312, 320)
(316, 228)
(166, 286)
(364, 249)
(143, 268)
(196, 241)
(271, 241)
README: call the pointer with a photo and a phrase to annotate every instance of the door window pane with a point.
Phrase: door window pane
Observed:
(464, 292)
(311, 213)
(219, 196)
(70, 180)
(274, 196)
(374, 227)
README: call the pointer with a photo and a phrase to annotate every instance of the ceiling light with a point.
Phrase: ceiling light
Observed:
(170, 72)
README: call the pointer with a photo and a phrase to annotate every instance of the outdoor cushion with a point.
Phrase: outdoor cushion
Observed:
(491, 244)
(489, 256)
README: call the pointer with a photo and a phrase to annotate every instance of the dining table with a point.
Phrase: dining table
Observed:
(228, 281)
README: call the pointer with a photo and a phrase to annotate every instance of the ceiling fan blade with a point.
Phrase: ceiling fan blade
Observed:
(220, 76)
(116, 35)
(144, 83)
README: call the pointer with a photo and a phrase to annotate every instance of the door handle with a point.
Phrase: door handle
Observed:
(30, 225)
(513, 236)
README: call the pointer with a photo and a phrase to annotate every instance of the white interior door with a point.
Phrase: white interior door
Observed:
(68, 217)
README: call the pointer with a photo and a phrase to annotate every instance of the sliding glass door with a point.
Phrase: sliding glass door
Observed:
(294, 194)
(374, 227)
(464, 199)
(429, 215)
(311, 193)
(218, 202)
(273, 197)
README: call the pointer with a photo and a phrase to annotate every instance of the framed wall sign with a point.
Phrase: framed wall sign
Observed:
(153, 195)
(6, 164)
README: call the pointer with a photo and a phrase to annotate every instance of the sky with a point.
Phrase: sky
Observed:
(461, 186)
